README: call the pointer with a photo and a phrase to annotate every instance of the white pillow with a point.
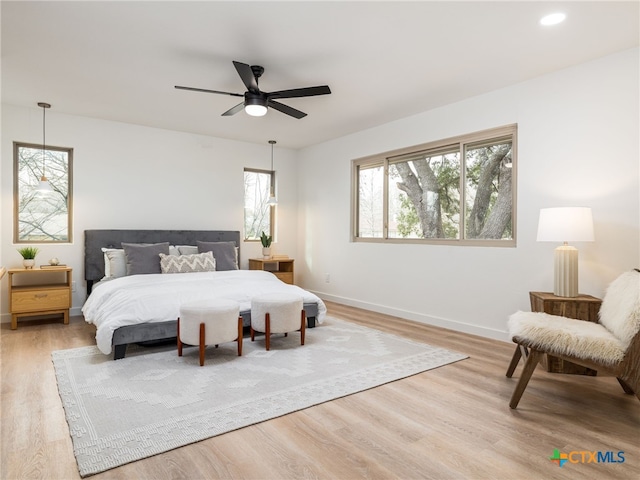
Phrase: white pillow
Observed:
(187, 249)
(115, 263)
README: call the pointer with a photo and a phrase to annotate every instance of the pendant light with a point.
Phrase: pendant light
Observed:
(272, 195)
(44, 186)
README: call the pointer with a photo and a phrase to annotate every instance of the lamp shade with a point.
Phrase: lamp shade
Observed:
(565, 224)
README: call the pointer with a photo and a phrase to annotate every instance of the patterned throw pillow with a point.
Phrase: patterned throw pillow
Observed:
(199, 262)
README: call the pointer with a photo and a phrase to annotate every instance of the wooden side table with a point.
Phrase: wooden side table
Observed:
(280, 267)
(582, 307)
(37, 297)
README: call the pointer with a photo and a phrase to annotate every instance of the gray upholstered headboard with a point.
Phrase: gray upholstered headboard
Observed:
(94, 240)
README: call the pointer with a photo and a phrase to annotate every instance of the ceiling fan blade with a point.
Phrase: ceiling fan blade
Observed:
(234, 110)
(281, 107)
(247, 76)
(209, 91)
(301, 92)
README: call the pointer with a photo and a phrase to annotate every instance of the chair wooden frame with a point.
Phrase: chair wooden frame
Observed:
(627, 371)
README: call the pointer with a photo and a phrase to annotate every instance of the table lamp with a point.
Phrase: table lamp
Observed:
(565, 224)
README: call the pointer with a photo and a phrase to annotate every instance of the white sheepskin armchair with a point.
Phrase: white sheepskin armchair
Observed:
(612, 345)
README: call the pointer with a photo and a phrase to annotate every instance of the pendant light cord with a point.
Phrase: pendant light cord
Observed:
(272, 142)
(44, 143)
(44, 132)
(272, 190)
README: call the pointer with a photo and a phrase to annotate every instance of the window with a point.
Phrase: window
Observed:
(258, 213)
(455, 191)
(42, 216)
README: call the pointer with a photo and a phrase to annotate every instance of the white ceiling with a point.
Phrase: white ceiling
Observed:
(383, 60)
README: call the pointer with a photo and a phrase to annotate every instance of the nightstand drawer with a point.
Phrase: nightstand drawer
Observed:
(40, 300)
(286, 277)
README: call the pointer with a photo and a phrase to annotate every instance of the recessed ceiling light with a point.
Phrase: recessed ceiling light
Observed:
(553, 19)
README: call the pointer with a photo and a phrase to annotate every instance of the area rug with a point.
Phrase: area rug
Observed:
(153, 401)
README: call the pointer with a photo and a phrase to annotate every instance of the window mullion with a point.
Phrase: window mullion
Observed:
(385, 200)
(463, 191)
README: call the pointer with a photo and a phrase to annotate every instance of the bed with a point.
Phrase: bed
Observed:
(143, 309)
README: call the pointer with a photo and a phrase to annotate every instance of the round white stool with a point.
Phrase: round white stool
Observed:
(277, 313)
(209, 322)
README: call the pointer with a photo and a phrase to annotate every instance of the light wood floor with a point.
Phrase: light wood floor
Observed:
(451, 422)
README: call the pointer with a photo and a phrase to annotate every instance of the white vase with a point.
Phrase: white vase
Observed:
(266, 252)
(28, 263)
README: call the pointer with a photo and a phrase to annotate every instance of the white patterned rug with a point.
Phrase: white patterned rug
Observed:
(153, 401)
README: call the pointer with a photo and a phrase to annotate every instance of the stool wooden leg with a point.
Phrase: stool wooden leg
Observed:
(201, 344)
(267, 333)
(239, 336)
(303, 321)
(179, 342)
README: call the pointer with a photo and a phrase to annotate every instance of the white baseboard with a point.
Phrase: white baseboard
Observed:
(419, 317)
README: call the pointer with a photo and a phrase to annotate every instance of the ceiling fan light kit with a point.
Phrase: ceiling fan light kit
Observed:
(255, 105)
(256, 102)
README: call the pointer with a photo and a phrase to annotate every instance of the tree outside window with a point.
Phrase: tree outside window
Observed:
(258, 213)
(370, 187)
(42, 217)
(459, 190)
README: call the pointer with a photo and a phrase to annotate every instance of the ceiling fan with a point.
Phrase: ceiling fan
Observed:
(256, 101)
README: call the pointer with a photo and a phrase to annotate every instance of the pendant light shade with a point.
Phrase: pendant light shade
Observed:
(43, 185)
(272, 195)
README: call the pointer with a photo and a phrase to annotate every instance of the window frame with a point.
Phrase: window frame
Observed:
(462, 141)
(16, 193)
(272, 208)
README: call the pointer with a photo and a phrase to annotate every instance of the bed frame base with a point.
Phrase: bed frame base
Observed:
(163, 332)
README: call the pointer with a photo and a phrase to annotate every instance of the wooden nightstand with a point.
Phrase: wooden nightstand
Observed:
(280, 267)
(38, 294)
(582, 307)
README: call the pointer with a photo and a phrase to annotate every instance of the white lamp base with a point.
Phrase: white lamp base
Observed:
(565, 271)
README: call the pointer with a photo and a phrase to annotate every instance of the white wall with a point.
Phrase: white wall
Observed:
(128, 176)
(578, 145)
(578, 139)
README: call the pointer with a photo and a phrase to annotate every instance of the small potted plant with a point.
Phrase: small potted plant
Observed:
(266, 244)
(28, 256)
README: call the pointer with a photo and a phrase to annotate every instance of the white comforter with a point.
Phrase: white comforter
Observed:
(157, 298)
